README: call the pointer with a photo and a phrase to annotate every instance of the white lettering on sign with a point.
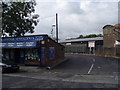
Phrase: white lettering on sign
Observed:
(4, 44)
(19, 44)
(91, 44)
(10, 44)
(36, 38)
(29, 43)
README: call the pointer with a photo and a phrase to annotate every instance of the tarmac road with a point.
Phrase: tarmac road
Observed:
(80, 71)
(83, 64)
(26, 82)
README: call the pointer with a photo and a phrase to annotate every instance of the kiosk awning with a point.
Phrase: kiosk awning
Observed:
(27, 44)
(21, 42)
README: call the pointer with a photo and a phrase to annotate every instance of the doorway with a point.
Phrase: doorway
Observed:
(16, 55)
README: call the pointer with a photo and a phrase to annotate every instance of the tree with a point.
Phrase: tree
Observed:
(80, 36)
(99, 35)
(87, 36)
(17, 18)
(90, 36)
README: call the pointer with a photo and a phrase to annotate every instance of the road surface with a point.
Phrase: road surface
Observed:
(83, 64)
(80, 71)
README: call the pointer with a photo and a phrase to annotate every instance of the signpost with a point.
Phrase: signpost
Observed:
(91, 44)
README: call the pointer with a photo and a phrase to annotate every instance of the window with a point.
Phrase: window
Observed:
(31, 54)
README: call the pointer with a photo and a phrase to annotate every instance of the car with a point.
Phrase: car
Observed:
(9, 66)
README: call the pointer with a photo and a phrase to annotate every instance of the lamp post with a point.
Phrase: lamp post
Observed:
(52, 30)
(56, 27)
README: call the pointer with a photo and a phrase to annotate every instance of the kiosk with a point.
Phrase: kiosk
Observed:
(32, 50)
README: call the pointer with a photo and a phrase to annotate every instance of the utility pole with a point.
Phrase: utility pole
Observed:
(56, 27)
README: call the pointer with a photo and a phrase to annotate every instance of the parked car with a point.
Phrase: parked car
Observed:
(9, 66)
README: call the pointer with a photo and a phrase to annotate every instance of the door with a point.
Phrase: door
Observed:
(16, 55)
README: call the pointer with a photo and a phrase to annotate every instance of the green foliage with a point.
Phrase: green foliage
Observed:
(90, 36)
(87, 36)
(17, 18)
(81, 36)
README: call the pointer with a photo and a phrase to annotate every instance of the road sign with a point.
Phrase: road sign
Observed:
(91, 44)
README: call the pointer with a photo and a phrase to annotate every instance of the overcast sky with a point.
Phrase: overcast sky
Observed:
(75, 17)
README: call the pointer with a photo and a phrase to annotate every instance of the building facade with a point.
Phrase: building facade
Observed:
(32, 50)
(86, 45)
(111, 36)
(108, 45)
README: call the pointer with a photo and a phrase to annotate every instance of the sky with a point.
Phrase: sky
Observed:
(75, 17)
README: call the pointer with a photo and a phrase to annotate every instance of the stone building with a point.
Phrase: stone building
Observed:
(111, 35)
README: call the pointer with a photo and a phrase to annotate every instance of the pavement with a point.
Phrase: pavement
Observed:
(33, 69)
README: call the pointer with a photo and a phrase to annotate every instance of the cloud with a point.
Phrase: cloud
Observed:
(75, 18)
(69, 7)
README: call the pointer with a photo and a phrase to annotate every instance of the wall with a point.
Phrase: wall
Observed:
(78, 48)
(117, 49)
(82, 47)
(109, 40)
(57, 50)
(110, 36)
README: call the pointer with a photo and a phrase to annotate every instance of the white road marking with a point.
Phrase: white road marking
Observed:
(90, 68)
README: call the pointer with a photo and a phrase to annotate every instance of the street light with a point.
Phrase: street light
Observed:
(53, 25)
(52, 30)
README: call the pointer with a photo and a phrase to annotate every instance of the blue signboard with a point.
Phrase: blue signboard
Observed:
(52, 53)
(21, 42)
(35, 38)
(43, 53)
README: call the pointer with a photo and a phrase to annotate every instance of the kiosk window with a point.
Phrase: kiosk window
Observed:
(31, 54)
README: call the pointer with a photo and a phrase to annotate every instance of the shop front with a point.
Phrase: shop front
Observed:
(32, 50)
(22, 50)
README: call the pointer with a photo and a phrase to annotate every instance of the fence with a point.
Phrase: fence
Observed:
(98, 50)
(76, 49)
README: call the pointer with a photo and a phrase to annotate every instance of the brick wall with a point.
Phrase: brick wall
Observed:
(109, 40)
(58, 49)
(110, 36)
(118, 50)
